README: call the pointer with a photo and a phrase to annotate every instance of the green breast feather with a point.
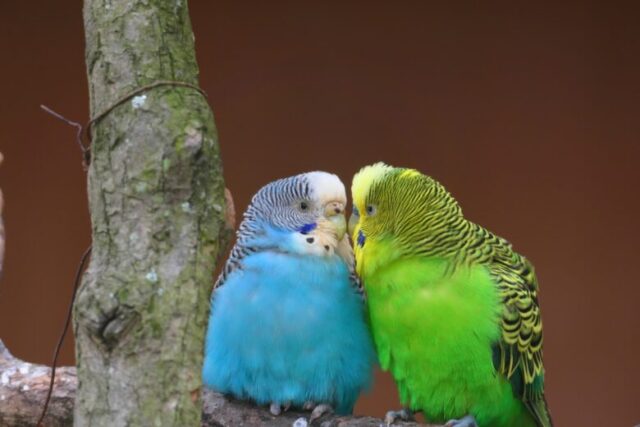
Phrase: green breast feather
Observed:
(462, 337)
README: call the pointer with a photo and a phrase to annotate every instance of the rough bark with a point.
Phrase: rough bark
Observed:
(157, 202)
(23, 388)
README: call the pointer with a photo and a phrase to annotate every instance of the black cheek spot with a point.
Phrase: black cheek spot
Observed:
(310, 239)
(326, 248)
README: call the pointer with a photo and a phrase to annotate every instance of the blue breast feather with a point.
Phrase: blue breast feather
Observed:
(289, 328)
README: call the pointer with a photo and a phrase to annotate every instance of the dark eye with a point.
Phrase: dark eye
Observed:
(371, 210)
(304, 206)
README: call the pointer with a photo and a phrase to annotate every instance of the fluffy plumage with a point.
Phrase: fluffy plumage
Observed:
(453, 309)
(287, 320)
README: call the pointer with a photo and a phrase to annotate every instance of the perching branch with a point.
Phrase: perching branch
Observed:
(23, 390)
(23, 387)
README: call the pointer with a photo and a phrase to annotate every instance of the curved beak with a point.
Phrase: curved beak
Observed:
(334, 212)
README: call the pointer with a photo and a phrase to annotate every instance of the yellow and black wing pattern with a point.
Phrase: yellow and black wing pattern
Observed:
(518, 355)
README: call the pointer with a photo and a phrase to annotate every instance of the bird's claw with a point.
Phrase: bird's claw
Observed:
(319, 411)
(405, 414)
(276, 408)
(467, 421)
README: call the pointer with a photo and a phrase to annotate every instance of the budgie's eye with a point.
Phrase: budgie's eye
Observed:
(304, 206)
(371, 210)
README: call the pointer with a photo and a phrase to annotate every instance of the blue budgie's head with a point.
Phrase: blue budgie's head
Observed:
(298, 202)
(303, 215)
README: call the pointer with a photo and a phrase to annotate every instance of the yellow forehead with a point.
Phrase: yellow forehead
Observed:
(410, 173)
(363, 180)
(368, 175)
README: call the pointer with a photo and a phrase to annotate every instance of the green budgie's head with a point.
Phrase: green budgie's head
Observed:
(399, 211)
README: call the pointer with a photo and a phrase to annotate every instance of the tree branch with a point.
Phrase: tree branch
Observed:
(23, 389)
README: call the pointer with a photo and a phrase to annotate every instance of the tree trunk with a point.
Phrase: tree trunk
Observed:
(156, 196)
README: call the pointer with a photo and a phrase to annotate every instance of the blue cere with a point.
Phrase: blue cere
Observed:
(307, 228)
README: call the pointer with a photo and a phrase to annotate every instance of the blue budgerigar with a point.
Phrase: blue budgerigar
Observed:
(287, 325)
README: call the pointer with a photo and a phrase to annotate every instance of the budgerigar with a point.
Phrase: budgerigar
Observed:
(453, 309)
(287, 325)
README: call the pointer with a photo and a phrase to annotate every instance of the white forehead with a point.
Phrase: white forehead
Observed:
(326, 187)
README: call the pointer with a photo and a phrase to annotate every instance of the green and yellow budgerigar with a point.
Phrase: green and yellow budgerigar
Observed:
(453, 309)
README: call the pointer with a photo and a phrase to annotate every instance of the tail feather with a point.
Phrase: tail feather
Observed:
(540, 411)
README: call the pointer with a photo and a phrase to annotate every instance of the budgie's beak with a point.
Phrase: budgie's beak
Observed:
(334, 212)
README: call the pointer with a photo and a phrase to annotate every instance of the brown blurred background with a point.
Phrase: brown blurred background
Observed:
(528, 114)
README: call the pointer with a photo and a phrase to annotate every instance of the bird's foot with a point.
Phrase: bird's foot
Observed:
(318, 411)
(404, 414)
(276, 408)
(467, 421)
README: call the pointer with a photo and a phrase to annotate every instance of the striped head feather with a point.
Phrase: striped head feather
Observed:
(403, 209)
(302, 214)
